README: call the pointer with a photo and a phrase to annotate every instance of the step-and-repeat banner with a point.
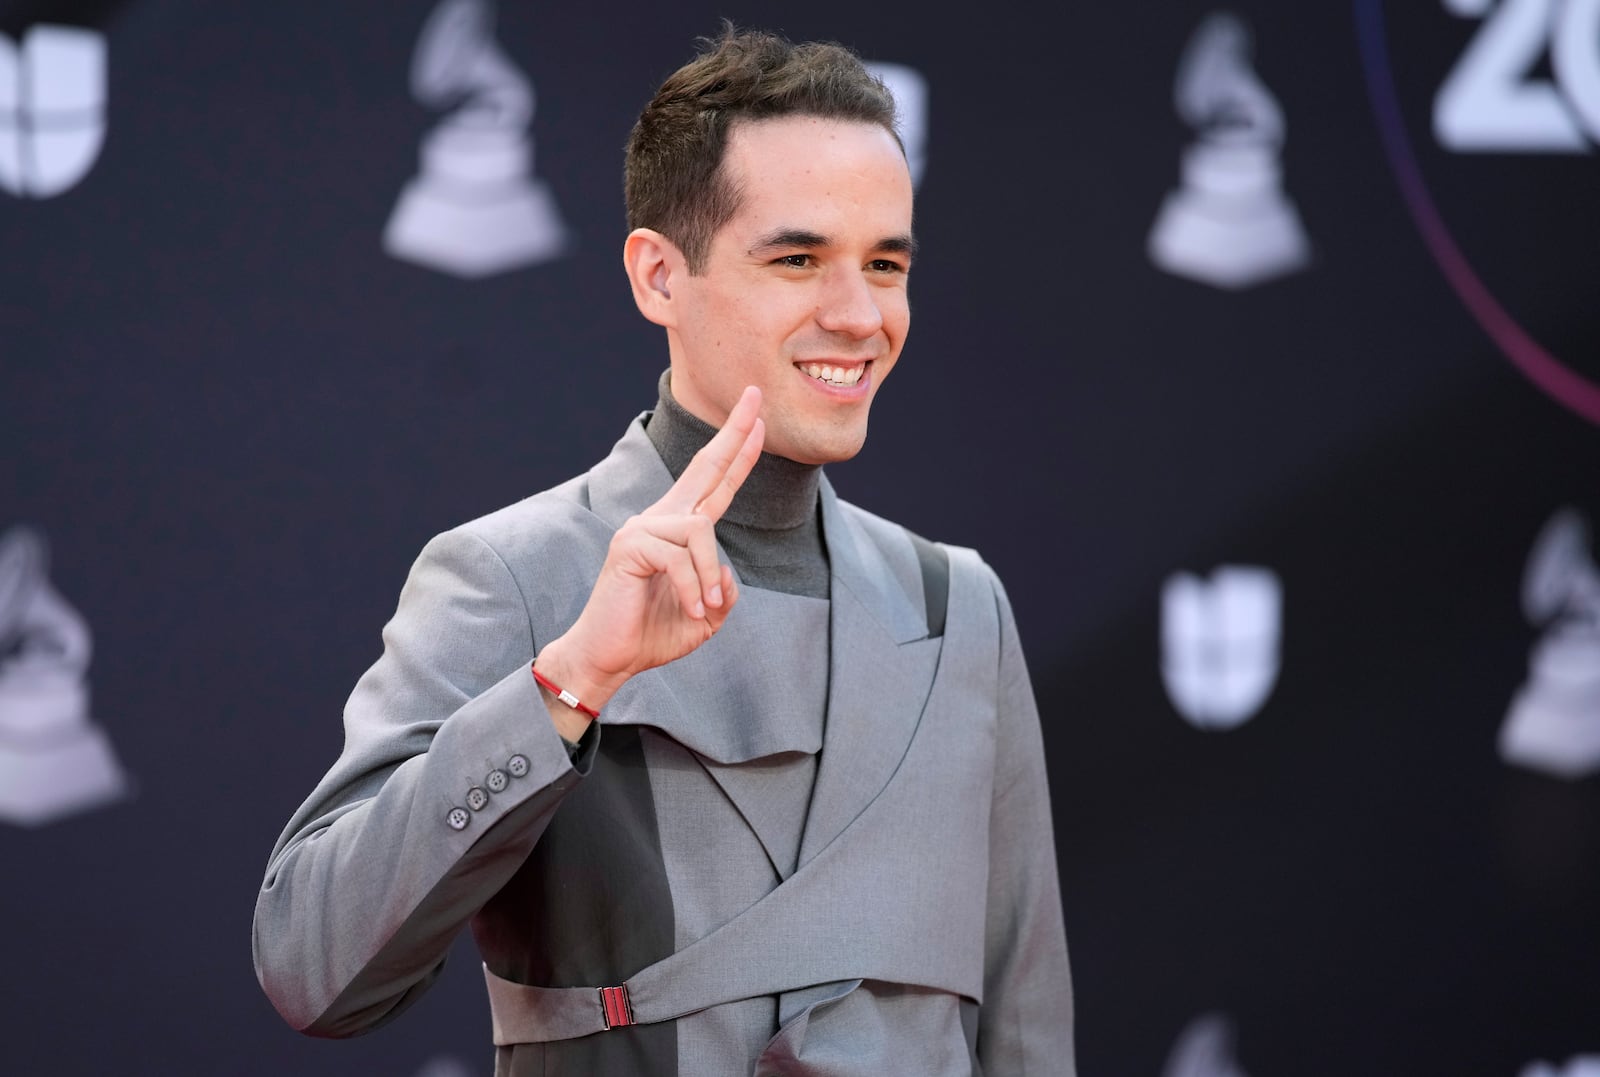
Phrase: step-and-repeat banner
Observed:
(1258, 348)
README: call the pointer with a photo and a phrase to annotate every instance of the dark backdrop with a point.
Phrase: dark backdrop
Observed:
(237, 419)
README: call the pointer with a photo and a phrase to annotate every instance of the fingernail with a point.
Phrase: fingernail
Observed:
(699, 610)
(715, 594)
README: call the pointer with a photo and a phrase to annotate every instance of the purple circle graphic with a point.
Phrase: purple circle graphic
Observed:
(1560, 382)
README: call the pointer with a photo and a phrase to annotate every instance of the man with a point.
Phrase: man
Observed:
(810, 833)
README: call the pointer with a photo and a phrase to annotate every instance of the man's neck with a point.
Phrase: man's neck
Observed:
(778, 495)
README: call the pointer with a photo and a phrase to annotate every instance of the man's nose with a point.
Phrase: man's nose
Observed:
(848, 306)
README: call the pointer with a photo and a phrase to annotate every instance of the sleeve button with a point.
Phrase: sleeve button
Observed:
(458, 819)
(518, 766)
(477, 799)
(497, 781)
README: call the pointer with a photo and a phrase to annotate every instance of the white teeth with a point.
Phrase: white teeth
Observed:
(834, 375)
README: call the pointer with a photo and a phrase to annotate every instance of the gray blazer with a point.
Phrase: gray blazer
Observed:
(915, 928)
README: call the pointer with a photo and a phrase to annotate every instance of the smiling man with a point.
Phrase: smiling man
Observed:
(728, 776)
(801, 292)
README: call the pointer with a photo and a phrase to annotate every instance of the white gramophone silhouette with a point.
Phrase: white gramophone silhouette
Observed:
(1229, 223)
(53, 760)
(477, 208)
(1554, 721)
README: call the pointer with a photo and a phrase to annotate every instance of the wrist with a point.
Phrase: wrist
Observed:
(561, 667)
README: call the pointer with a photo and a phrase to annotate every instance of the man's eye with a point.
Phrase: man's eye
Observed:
(885, 265)
(795, 261)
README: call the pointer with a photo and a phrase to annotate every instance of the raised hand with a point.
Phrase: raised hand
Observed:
(661, 592)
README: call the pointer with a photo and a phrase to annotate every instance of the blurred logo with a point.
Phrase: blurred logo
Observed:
(1554, 722)
(1229, 223)
(52, 109)
(1204, 1049)
(476, 209)
(54, 761)
(1580, 1066)
(1495, 100)
(1220, 644)
(1525, 81)
(910, 92)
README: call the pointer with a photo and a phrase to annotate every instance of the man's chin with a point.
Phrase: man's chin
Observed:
(819, 453)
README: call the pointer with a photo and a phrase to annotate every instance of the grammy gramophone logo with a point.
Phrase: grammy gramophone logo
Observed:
(54, 761)
(1554, 722)
(1229, 223)
(476, 208)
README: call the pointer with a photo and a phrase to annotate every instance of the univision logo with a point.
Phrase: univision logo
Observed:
(909, 89)
(52, 109)
(1220, 644)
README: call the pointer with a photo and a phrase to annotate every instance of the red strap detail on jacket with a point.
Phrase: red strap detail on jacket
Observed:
(618, 1010)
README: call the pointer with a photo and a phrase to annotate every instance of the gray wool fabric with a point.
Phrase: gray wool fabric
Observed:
(916, 929)
(771, 531)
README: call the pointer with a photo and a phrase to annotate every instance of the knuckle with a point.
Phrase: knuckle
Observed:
(624, 536)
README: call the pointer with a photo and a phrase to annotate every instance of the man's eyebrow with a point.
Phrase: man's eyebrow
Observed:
(789, 238)
(905, 244)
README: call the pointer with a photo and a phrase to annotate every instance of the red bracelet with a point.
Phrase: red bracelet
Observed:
(563, 695)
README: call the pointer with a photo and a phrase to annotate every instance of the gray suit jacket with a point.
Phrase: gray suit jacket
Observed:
(916, 929)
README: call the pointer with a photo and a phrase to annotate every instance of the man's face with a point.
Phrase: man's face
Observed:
(803, 292)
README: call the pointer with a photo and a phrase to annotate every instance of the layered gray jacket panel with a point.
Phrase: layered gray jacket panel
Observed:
(916, 930)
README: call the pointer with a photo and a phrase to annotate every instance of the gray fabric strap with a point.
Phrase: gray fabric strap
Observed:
(732, 963)
(935, 564)
(524, 1014)
(695, 978)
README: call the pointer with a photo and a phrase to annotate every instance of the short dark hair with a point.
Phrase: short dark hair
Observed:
(673, 178)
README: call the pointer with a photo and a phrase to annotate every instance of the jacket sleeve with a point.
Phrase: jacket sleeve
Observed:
(451, 770)
(1025, 1024)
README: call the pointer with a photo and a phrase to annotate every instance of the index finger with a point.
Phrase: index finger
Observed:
(714, 504)
(721, 466)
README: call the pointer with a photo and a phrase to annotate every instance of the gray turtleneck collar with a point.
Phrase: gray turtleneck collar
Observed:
(771, 531)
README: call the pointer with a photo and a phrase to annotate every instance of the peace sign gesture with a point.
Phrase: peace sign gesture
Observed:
(661, 592)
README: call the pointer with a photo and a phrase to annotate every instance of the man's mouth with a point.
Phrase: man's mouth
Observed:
(841, 376)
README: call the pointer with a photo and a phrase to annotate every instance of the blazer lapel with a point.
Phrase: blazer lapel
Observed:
(881, 667)
(630, 479)
(733, 700)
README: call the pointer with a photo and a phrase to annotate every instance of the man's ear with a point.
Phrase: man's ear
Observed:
(653, 262)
